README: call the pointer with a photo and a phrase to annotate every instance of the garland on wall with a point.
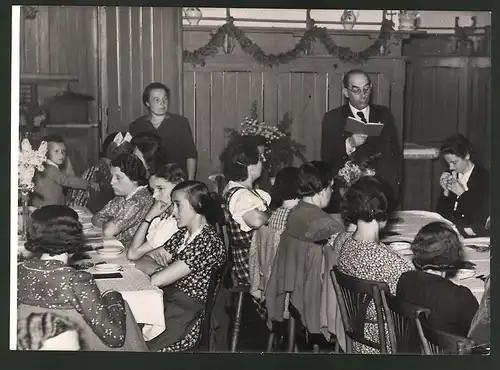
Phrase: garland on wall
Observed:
(303, 46)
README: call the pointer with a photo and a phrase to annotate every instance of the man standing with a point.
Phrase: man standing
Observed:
(337, 145)
(173, 129)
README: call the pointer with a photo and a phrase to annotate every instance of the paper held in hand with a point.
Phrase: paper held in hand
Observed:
(356, 126)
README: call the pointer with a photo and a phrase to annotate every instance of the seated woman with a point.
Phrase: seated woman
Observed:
(466, 188)
(149, 149)
(158, 224)
(46, 283)
(246, 208)
(265, 241)
(47, 332)
(437, 255)
(194, 251)
(298, 263)
(122, 216)
(95, 199)
(360, 253)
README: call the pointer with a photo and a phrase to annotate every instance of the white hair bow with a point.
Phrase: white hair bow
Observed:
(120, 139)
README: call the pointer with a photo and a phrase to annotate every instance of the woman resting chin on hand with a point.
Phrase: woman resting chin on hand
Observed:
(158, 224)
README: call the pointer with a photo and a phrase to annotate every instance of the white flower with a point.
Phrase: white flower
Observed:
(29, 161)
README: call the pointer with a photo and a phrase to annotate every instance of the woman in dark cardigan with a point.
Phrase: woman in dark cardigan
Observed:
(466, 187)
(437, 255)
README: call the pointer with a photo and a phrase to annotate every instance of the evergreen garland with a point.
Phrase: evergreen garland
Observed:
(313, 34)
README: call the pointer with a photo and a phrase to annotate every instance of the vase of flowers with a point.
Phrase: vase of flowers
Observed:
(29, 162)
(279, 149)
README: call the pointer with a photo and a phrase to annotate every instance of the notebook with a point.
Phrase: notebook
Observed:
(356, 126)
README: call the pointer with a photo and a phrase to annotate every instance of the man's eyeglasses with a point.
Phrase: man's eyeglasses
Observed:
(357, 91)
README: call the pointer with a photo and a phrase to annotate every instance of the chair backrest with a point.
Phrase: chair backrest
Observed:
(437, 342)
(403, 321)
(213, 290)
(354, 295)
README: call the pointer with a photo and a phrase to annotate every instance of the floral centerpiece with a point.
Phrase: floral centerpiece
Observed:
(360, 164)
(29, 161)
(279, 147)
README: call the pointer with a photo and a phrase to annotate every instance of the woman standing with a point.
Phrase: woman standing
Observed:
(193, 252)
(47, 284)
(466, 187)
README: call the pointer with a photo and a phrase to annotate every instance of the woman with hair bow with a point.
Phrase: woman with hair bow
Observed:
(96, 198)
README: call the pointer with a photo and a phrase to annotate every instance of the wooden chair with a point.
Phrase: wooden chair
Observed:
(354, 295)
(437, 342)
(403, 321)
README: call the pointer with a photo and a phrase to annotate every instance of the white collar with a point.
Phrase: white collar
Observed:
(51, 163)
(134, 192)
(365, 111)
(58, 257)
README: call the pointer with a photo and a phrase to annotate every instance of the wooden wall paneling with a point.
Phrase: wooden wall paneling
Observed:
(157, 45)
(319, 109)
(31, 53)
(42, 20)
(309, 126)
(125, 92)
(243, 102)
(137, 68)
(203, 125)
(92, 67)
(284, 94)
(218, 116)
(394, 84)
(55, 44)
(147, 39)
(270, 97)
(230, 102)
(189, 100)
(298, 104)
(335, 96)
(257, 92)
(113, 69)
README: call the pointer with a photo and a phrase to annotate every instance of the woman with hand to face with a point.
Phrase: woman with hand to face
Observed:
(466, 187)
(193, 252)
(158, 224)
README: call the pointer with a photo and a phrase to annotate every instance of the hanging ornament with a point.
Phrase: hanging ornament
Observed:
(228, 45)
(193, 15)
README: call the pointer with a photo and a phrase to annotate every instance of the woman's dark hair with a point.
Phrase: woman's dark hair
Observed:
(365, 200)
(151, 147)
(110, 150)
(312, 178)
(131, 166)
(236, 158)
(171, 172)
(202, 200)
(36, 328)
(438, 247)
(154, 86)
(54, 229)
(285, 187)
(456, 144)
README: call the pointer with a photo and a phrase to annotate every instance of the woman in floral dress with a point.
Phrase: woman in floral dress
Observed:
(46, 283)
(194, 251)
(361, 254)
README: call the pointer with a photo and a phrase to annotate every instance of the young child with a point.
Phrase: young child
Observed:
(49, 184)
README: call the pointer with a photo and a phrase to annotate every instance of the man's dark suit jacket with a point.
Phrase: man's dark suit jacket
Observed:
(333, 137)
(473, 206)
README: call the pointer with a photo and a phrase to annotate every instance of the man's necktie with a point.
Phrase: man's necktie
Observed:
(362, 116)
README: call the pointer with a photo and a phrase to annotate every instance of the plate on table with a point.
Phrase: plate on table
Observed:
(108, 268)
(400, 246)
(463, 274)
(110, 251)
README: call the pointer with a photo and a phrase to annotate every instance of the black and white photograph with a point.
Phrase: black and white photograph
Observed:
(208, 179)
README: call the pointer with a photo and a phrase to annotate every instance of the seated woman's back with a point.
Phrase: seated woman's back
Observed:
(452, 306)
(437, 255)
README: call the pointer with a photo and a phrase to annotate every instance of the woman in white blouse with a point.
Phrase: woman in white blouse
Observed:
(158, 225)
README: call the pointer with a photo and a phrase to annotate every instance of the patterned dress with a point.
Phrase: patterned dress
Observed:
(51, 285)
(99, 173)
(204, 253)
(126, 213)
(370, 261)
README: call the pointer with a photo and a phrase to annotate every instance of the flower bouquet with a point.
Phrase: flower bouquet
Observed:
(279, 147)
(29, 161)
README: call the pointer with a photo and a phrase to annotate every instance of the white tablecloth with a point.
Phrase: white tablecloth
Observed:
(144, 299)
